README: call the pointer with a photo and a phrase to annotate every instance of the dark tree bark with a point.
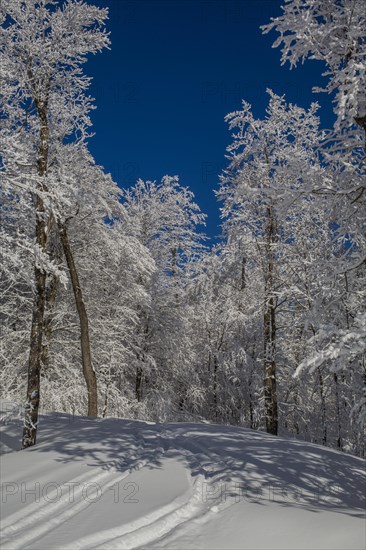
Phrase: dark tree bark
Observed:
(269, 326)
(51, 295)
(338, 412)
(88, 370)
(138, 383)
(251, 395)
(215, 386)
(52, 288)
(105, 406)
(140, 371)
(36, 339)
(323, 408)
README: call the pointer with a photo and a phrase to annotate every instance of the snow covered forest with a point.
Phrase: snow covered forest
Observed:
(113, 301)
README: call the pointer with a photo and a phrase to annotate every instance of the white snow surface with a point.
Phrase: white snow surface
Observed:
(115, 484)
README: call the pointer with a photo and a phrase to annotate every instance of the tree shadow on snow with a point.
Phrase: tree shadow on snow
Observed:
(237, 463)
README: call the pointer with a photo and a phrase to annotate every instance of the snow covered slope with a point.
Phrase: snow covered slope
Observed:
(127, 484)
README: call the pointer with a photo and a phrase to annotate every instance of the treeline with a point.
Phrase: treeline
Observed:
(112, 301)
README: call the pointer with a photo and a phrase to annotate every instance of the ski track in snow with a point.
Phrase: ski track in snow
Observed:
(154, 529)
(24, 527)
(38, 519)
(148, 528)
(162, 522)
(30, 524)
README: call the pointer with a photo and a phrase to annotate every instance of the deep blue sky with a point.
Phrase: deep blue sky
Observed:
(175, 69)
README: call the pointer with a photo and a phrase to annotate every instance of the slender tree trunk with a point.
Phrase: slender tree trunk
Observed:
(296, 402)
(338, 412)
(270, 389)
(51, 295)
(323, 408)
(363, 448)
(105, 407)
(35, 351)
(181, 398)
(251, 392)
(138, 383)
(35, 354)
(251, 401)
(88, 370)
(52, 287)
(215, 387)
(269, 325)
(140, 377)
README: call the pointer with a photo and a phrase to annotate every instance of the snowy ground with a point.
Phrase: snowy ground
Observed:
(127, 484)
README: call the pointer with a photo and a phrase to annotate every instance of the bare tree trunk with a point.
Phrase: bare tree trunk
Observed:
(51, 295)
(323, 408)
(52, 287)
(269, 325)
(88, 370)
(140, 377)
(363, 448)
(270, 389)
(215, 387)
(35, 351)
(296, 402)
(105, 407)
(338, 412)
(138, 383)
(251, 400)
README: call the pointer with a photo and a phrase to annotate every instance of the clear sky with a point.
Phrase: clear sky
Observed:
(175, 69)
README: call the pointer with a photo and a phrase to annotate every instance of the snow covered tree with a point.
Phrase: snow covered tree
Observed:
(43, 47)
(111, 264)
(263, 200)
(224, 328)
(334, 32)
(166, 219)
